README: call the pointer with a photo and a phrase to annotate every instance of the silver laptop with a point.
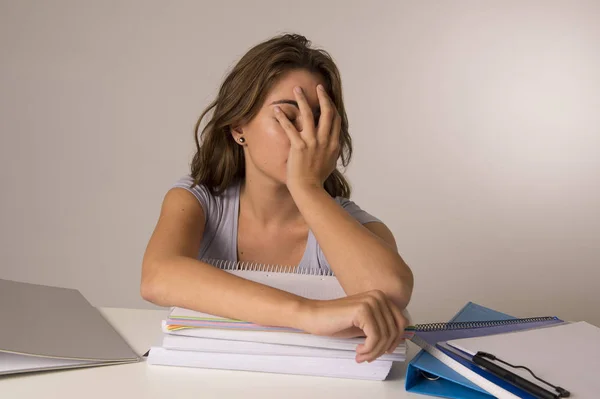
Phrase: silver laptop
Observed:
(48, 328)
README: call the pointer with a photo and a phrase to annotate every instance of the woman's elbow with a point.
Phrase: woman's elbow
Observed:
(147, 291)
(400, 289)
(151, 289)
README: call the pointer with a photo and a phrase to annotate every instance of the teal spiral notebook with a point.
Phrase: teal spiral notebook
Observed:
(427, 375)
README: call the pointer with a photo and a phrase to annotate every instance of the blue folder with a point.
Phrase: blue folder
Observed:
(427, 375)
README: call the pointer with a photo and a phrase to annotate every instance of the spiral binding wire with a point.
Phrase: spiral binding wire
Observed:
(229, 265)
(460, 325)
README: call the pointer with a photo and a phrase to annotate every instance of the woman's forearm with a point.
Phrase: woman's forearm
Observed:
(192, 284)
(361, 260)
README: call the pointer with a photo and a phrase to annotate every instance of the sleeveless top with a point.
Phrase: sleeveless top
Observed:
(219, 241)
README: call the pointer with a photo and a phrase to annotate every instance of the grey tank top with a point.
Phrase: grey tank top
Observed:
(220, 231)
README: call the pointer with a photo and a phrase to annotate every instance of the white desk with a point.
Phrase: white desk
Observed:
(141, 328)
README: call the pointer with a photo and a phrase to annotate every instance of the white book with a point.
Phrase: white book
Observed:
(175, 342)
(566, 355)
(299, 365)
(282, 338)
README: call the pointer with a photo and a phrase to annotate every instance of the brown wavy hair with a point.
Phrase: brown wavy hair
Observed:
(219, 161)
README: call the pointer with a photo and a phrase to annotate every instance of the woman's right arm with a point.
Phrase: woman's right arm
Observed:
(173, 276)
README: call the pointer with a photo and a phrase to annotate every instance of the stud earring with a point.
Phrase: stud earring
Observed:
(242, 140)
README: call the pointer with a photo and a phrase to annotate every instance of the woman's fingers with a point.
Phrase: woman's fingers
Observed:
(391, 323)
(380, 345)
(328, 113)
(365, 320)
(289, 129)
(374, 316)
(386, 322)
(334, 140)
(401, 323)
(308, 124)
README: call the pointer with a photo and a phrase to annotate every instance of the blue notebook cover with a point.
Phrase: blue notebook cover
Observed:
(427, 375)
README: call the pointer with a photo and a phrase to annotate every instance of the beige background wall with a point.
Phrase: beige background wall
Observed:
(476, 125)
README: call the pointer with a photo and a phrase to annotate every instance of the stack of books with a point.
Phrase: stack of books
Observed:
(194, 339)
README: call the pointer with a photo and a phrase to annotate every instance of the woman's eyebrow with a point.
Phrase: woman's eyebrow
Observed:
(316, 111)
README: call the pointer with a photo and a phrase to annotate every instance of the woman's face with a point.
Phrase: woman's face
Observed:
(266, 145)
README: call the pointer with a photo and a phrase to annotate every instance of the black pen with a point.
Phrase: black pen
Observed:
(513, 378)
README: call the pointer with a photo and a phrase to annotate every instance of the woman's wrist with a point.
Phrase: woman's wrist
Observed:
(300, 187)
(308, 197)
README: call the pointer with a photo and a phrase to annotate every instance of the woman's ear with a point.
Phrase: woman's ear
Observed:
(238, 135)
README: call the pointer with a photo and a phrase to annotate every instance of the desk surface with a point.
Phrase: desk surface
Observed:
(141, 329)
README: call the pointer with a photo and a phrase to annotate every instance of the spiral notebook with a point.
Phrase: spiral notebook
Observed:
(307, 283)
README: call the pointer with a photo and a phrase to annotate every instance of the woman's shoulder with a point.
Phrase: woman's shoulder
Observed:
(356, 211)
(210, 201)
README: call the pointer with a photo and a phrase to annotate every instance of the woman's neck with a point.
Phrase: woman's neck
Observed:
(268, 202)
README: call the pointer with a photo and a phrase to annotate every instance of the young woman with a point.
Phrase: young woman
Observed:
(264, 188)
